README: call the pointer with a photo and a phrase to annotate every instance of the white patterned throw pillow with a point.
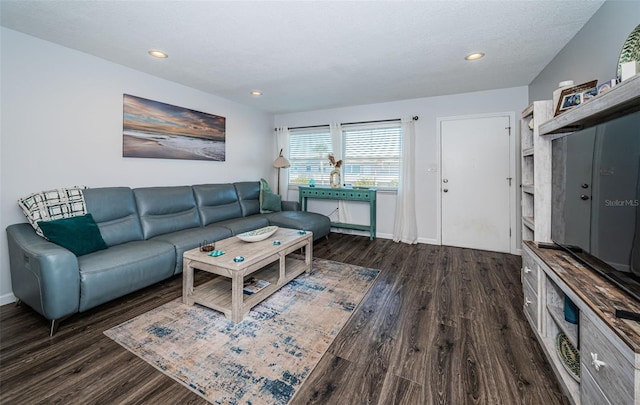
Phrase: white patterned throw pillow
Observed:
(53, 204)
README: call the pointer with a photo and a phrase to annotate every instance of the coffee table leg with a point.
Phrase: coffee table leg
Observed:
(283, 270)
(308, 257)
(237, 279)
(187, 283)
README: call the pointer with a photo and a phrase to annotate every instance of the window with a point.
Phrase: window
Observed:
(308, 156)
(372, 155)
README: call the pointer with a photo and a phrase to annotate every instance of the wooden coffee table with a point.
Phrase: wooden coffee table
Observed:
(224, 293)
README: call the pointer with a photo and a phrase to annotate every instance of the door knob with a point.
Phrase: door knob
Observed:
(584, 197)
(445, 190)
(445, 180)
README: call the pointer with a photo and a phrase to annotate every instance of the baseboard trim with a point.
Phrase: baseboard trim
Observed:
(7, 299)
(428, 241)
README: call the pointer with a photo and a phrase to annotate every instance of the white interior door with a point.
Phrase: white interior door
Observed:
(476, 183)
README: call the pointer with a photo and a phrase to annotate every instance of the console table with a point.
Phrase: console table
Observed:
(347, 194)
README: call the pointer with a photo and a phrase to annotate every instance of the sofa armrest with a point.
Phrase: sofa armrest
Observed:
(44, 275)
(290, 206)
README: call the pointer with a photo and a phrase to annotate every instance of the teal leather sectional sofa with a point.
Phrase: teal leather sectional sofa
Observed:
(146, 230)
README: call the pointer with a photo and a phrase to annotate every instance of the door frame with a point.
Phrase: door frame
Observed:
(514, 201)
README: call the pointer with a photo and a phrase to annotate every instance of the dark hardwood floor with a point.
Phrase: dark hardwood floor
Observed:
(442, 325)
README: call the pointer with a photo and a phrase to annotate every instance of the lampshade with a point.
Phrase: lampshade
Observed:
(281, 162)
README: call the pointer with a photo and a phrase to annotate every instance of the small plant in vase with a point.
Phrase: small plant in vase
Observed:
(334, 176)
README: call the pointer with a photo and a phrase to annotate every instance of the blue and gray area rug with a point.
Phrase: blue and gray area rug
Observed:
(265, 358)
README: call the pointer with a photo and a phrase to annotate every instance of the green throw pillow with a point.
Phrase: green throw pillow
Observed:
(79, 234)
(269, 202)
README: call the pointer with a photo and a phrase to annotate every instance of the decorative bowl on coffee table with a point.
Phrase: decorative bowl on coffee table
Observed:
(258, 234)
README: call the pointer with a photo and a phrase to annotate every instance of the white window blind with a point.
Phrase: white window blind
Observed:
(372, 155)
(308, 156)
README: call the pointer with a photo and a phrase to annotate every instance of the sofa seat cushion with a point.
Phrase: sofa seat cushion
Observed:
(121, 269)
(192, 238)
(240, 225)
(319, 224)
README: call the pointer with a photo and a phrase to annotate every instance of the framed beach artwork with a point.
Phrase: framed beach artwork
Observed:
(151, 129)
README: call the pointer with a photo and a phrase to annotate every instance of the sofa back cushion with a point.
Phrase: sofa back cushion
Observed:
(166, 209)
(249, 196)
(216, 202)
(114, 210)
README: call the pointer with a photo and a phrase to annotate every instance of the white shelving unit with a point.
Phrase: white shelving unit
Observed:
(609, 347)
(536, 169)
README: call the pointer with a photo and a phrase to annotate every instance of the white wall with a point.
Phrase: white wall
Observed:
(427, 156)
(61, 114)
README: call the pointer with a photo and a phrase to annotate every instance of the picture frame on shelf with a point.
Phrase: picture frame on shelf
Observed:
(575, 95)
(606, 86)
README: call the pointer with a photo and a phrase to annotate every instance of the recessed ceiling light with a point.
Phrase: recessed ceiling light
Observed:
(475, 56)
(158, 54)
(256, 93)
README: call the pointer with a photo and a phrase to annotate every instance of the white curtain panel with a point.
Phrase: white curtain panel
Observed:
(282, 142)
(405, 229)
(344, 215)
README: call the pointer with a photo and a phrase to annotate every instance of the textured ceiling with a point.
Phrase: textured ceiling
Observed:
(309, 55)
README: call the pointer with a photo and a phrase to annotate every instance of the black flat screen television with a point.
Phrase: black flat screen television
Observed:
(595, 211)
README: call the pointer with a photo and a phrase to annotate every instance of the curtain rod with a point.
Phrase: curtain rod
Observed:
(415, 118)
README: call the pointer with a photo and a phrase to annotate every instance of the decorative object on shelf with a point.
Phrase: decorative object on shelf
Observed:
(573, 96)
(334, 177)
(561, 86)
(258, 234)
(281, 162)
(571, 311)
(629, 69)
(630, 50)
(238, 259)
(569, 356)
(216, 253)
(312, 183)
(606, 86)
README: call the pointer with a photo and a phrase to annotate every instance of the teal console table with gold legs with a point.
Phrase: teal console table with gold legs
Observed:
(346, 194)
